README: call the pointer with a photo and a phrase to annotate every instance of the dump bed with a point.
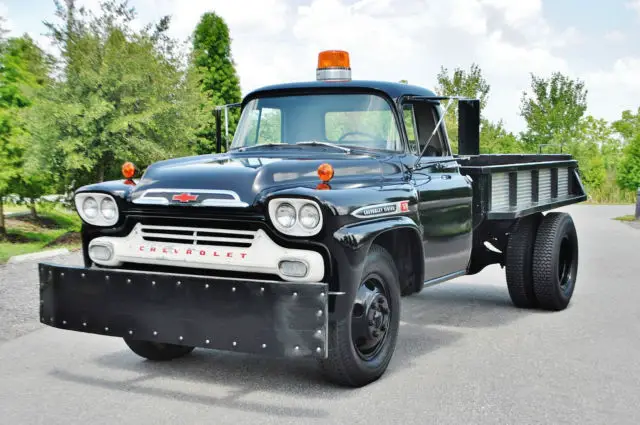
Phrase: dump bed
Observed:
(507, 186)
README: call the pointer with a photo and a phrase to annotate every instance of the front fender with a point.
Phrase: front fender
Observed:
(358, 236)
(355, 240)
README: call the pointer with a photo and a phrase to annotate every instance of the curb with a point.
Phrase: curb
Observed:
(37, 255)
(17, 214)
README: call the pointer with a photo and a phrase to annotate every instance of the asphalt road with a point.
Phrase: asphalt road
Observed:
(465, 356)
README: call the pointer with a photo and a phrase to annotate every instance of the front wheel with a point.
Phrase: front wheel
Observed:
(362, 343)
(157, 351)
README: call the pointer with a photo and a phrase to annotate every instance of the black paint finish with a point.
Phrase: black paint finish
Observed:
(269, 318)
(447, 214)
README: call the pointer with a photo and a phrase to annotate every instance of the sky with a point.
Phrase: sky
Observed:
(278, 41)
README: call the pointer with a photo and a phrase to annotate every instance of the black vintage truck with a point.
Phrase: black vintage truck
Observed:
(335, 198)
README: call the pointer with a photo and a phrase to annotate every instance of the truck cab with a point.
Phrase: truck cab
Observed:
(335, 198)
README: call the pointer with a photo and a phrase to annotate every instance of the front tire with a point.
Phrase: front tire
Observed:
(362, 343)
(555, 261)
(156, 351)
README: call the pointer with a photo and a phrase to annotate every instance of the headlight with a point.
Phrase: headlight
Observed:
(90, 207)
(309, 216)
(295, 216)
(286, 215)
(108, 208)
(99, 209)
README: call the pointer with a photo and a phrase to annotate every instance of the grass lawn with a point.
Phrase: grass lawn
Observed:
(54, 228)
(11, 208)
(626, 218)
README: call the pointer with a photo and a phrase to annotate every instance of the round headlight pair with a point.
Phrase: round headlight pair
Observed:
(308, 216)
(98, 209)
(296, 217)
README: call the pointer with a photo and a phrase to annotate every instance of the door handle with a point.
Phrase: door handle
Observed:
(446, 176)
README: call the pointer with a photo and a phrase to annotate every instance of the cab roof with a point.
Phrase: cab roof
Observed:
(391, 89)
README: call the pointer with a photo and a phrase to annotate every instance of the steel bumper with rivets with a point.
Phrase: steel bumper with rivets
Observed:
(271, 318)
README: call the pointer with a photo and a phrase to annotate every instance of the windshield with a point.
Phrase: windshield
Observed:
(352, 120)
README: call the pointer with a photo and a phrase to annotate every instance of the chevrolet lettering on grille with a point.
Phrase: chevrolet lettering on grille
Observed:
(202, 252)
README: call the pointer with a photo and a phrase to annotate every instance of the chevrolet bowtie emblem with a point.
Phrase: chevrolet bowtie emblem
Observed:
(184, 197)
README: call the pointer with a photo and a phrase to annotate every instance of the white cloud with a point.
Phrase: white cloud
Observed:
(614, 90)
(7, 25)
(615, 36)
(278, 40)
(635, 5)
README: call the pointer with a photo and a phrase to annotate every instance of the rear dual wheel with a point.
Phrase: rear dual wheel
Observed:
(542, 261)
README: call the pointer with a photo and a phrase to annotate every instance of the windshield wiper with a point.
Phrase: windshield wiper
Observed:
(328, 144)
(263, 145)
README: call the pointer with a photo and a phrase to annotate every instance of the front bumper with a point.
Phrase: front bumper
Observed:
(276, 319)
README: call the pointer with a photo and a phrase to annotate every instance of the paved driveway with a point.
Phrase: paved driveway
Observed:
(465, 356)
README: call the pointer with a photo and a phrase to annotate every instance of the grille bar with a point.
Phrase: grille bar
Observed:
(200, 230)
(196, 235)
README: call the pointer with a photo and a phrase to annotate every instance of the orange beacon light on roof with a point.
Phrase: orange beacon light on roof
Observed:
(333, 65)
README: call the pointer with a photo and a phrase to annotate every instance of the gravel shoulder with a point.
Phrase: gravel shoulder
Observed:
(19, 295)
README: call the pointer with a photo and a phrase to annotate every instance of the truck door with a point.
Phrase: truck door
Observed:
(445, 196)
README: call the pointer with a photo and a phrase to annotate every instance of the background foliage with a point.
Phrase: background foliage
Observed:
(113, 92)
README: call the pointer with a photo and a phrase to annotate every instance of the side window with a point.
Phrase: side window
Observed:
(270, 126)
(427, 117)
(411, 127)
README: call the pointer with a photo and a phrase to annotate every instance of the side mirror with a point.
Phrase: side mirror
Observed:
(469, 127)
(218, 112)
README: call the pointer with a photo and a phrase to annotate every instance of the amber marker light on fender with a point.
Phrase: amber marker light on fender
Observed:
(128, 170)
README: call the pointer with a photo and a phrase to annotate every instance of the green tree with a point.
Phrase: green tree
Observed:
(552, 110)
(123, 95)
(35, 67)
(629, 167)
(628, 126)
(494, 138)
(23, 71)
(218, 79)
(463, 83)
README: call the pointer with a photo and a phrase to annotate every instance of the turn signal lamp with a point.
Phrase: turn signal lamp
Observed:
(128, 170)
(325, 172)
(333, 65)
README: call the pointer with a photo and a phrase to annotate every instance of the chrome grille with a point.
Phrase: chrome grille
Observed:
(198, 236)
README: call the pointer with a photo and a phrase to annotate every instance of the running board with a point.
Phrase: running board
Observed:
(442, 279)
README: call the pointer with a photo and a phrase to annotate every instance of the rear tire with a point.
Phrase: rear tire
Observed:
(555, 260)
(362, 343)
(519, 260)
(156, 351)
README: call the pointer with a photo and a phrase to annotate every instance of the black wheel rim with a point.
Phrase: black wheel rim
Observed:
(565, 264)
(371, 317)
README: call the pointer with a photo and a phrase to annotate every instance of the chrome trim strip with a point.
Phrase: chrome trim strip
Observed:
(442, 279)
(143, 199)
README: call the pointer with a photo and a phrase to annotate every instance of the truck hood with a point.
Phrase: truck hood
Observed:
(240, 178)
